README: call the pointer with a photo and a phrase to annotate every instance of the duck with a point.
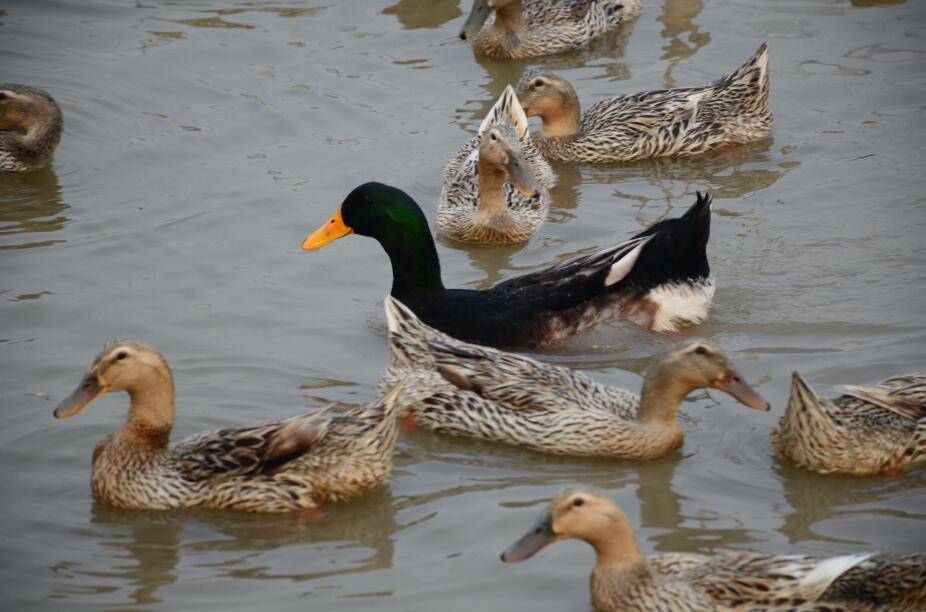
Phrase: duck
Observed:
(462, 389)
(676, 122)
(529, 28)
(659, 279)
(869, 429)
(625, 579)
(496, 190)
(297, 463)
(30, 128)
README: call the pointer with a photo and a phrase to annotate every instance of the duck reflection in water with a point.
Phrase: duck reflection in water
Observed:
(32, 209)
(143, 551)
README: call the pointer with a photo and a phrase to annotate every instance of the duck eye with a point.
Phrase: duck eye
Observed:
(538, 83)
(577, 502)
(492, 136)
(122, 355)
(701, 350)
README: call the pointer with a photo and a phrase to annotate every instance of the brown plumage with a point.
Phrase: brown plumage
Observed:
(464, 389)
(497, 188)
(867, 430)
(528, 28)
(295, 463)
(687, 121)
(30, 128)
(624, 579)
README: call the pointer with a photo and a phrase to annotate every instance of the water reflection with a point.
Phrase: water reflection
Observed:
(146, 548)
(414, 14)
(678, 17)
(492, 259)
(728, 173)
(30, 203)
(817, 498)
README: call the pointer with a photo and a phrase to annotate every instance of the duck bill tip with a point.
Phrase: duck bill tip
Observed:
(333, 229)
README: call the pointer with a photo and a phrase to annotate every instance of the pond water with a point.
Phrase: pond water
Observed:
(204, 139)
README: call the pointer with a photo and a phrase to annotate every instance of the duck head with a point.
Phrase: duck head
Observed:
(500, 151)
(123, 365)
(582, 515)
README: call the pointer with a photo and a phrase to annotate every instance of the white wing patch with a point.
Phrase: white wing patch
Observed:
(623, 266)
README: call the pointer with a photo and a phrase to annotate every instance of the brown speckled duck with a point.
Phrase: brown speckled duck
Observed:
(528, 28)
(624, 579)
(297, 463)
(30, 128)
(467, 390)
(867, 430)
(496, 190)
(732, 110)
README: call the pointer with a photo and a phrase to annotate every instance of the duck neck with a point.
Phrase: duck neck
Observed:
(508, 18)
(620, 566)
(492, 204)
(564, 121)
(415, 266)
(662, 394)
(151, 416)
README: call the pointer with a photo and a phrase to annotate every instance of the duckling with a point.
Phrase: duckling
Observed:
(867, 430)
(30, 128)
(624, 579)
(528, 28)
(689, 121)
(660, 279)
(463, 389)
(296, 463)
(497, 188)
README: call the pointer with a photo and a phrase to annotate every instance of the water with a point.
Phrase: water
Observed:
(204, 140)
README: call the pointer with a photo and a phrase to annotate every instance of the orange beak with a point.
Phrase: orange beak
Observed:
(333, 229)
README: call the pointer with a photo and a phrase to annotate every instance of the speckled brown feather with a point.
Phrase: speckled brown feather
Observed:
(850, 435)
(553, 26)
(670, 122)
(30, 128)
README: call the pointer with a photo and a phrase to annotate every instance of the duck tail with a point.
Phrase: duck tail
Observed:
(408, 336)
(803, 401)
(752, 79)
(699, 219)
(388, 402)
(506, 110)
(812, 584)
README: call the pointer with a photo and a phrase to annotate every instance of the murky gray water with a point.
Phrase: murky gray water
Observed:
(205, 139)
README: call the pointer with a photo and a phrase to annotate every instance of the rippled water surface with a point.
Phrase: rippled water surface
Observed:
(203, 141)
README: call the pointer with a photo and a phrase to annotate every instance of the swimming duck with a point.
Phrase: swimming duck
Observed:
(540, 27)
(30, 128)
(467, 390)
(689, 121)
(497, 188)
(296, 463)
(658, 279)
(624, 579)
(867, 430)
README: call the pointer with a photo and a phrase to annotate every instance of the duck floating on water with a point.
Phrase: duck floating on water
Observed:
(660, 279)
(461, 389)
(528, 28)
(690, 121)
(297, 463)
(497, 188)
(869, 429)
(625, 579)
(30, 128)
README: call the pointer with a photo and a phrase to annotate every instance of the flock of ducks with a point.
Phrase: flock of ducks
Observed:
(447, 371)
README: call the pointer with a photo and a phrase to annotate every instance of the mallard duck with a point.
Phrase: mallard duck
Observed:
(687, 121)
(30, 128)
(468, 390)
(867, 430)
(658, 279)
(624, 579)
(297, 463)
(540, 27)
(497, 188)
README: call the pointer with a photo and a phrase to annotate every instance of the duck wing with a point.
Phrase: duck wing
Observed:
(887, 581)
(904, 395)
(758, 577)
(253, 450)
